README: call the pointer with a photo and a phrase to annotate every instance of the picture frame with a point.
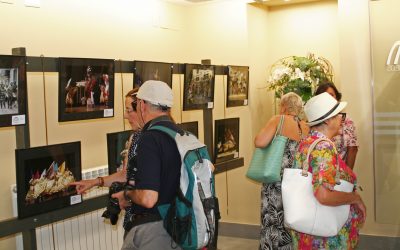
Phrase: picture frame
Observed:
(116, 144)
(192, 127)
(146, 70)
(86, 89)
(198, 87)
(43, 174)
(237, 93)
(226, 142)
(13, 90)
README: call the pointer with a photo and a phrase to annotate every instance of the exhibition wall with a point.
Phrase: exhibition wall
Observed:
(248, 34)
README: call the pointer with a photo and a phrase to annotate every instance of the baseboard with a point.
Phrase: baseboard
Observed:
(248, 231)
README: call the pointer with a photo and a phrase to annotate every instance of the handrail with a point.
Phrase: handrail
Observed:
(15, 225)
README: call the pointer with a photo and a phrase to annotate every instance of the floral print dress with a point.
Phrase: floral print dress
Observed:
(323, 169)
(273, 233)
(346, 138)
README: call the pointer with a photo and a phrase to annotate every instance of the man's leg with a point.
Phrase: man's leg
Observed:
(149, 236)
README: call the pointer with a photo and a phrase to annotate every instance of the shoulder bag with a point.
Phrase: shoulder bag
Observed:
(302, 211)
(266, 163)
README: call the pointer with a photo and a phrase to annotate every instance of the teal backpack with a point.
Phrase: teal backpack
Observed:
(192, 218)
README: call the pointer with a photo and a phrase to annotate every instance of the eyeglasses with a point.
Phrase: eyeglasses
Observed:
(134, 104)
(343, 116)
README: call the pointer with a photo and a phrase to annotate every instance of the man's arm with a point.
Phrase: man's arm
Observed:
(144, 198)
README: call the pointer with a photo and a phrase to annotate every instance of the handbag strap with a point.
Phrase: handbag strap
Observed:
(305, 165)
(280, 125)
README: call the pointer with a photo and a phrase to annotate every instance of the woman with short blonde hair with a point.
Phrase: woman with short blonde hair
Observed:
(273, 234)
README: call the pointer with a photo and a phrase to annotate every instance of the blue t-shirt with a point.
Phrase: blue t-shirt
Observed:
(158, 164)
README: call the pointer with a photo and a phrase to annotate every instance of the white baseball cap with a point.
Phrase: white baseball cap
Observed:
(156, 92)
(322, 107)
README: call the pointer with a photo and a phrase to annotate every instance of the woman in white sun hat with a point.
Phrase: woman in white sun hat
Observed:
(324, 114)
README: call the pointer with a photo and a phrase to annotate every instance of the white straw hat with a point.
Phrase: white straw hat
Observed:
(322, 107)
(156, 92)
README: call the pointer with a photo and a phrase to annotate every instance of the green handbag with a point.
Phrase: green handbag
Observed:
(266, 164)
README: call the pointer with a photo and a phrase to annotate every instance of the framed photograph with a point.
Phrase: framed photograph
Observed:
(12, 90)
(86, 89)
(43, 175)
(198, 87)
(238, 86)
(192, 127)
(116, 144)
(226, 139)
(152, 71)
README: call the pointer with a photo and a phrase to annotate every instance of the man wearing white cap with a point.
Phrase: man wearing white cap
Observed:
(157, 165)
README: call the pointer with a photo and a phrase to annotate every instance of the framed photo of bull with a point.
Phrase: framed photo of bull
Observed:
(238, 86)
(192, 127)
(13, 104)
(43, 175)
(144, 71)
(226, 139)
(198, 87)
(86, 89)
(117, 148)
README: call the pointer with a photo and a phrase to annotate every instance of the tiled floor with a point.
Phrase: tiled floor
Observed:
(230, 243)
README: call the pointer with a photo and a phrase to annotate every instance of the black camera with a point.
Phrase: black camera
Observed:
(113, 210)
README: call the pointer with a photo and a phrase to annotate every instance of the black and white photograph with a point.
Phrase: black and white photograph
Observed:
(192, 127)
(144, 71)
(226, 142)
(117, 149)
(43, 177)
(12, 90)
(198, 87)
(86, 89)
(238, 86)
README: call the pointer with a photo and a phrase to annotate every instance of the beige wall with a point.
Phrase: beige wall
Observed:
(148, 30)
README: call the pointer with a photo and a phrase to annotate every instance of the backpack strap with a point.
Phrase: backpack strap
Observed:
(305, 164)
(172, 133)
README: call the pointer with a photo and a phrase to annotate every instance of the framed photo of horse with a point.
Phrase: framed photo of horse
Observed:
(86, 89)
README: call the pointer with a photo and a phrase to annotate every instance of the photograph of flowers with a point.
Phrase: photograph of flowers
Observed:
(226, 139)
(198, 87)
(144, 71)
(192, 127)
(238, 86)
(12, 90)
(86, 89)
(43, 175)
(117, 149)
(299, 74)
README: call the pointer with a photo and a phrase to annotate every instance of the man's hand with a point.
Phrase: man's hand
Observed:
(123, 203)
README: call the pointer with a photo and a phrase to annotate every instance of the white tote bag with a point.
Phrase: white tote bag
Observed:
(302, 211)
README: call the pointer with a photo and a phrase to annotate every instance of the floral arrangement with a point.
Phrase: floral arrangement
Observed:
(301, 75)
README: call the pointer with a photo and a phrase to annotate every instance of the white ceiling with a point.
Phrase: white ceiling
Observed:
(265, 2)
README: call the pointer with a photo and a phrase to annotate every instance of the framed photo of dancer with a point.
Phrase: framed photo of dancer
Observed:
(192, 127)
(226, 139)
(117, 148)
(86, 89)
(13, 104)
(144, 71)
(198, 87)
(43, 175)
(238, 86)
